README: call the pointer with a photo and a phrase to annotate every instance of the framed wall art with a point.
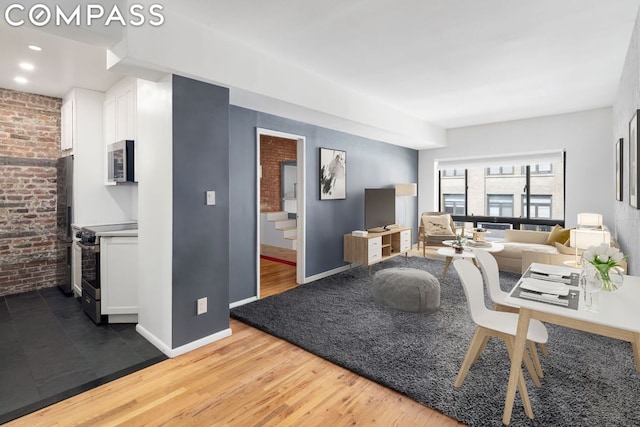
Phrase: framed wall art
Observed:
(619, 143)
(633, 161)
(333, 174)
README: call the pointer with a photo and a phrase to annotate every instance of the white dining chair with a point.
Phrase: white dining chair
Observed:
(491, 274)
(492, 323)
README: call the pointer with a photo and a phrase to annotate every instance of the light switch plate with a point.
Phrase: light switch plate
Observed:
(202, 306)
(211, 197)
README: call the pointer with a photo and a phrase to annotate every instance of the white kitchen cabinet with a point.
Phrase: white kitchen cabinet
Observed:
(76, 268)
(120, 111)
(119, 278)
(66, 124)
(110, 120)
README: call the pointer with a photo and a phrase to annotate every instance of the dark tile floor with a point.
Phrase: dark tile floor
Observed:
(51, 350)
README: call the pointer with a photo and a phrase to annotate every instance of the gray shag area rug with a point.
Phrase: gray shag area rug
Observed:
(589, 380)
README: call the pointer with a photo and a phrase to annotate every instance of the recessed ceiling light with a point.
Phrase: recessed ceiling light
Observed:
(26, 66)
(20, 80)
(34, 47)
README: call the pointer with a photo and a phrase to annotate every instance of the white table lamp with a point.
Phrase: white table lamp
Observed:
(581, 239)
(589, 221)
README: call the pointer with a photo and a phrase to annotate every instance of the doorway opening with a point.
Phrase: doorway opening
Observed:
(280, 207)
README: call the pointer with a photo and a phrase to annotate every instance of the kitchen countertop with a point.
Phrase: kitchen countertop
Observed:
(119, 233)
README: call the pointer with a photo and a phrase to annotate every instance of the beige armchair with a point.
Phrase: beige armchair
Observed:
(435, 227)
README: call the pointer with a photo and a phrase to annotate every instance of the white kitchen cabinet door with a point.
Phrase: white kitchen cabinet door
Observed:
(66, 125)
(110, 121)
(119, 278)
(76, 269)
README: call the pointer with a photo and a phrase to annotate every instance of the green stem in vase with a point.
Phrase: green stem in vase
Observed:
(607, 284)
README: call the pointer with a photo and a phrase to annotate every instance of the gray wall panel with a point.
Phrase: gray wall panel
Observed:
(200, 232)
(242, 209)
(370, 164)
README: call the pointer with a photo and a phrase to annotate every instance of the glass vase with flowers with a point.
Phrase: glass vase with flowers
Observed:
(601, 272)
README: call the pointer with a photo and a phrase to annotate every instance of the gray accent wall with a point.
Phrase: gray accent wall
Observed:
(370, 164)
(200, 232)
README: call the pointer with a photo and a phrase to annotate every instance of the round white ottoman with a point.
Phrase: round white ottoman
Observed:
(407, 289)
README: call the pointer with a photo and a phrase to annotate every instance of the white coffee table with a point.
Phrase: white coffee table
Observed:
(450, 253)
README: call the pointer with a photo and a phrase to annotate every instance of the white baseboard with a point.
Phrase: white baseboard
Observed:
(174, 352)
(242, 302)
(153, 339)
(325, 274)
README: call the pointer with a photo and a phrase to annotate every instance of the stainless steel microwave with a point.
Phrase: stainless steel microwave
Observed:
(120, 162)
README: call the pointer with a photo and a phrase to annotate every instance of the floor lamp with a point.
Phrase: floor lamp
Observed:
(406, 190)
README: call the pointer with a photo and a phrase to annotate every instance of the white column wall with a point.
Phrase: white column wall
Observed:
(586, 136)
(155, 210)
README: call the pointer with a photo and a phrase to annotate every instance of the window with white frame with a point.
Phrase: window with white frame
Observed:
(539, 206)
(454, 204)
(500, 205)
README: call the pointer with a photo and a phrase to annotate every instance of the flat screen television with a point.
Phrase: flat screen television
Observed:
(379, 208)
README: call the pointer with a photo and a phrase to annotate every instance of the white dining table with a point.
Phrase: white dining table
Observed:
(618, 316)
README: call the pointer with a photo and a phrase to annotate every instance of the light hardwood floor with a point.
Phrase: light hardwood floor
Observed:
(248, 379)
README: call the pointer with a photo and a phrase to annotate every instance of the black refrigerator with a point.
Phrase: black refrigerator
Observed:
(64, 218)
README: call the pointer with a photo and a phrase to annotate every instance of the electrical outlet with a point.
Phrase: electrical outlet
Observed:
(202, 306)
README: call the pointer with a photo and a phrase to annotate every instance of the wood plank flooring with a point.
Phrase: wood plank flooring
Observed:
(277, 252)
(248, 379)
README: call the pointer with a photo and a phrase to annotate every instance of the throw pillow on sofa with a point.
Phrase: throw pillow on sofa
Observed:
(437, 225)
(567, 250)
(558, 234)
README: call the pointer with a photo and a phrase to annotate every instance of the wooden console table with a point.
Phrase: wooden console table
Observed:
(377, 247)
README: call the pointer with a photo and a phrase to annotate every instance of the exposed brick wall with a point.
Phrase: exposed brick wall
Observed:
(30, 255)
(273, 151)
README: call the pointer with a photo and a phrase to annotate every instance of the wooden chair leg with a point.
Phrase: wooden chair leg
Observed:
(635, 344)
(535, 358)
(485, 340)
(543, 349)
(522, 386)
(508, 309)
(525, 359)
(532, 371)
(474, 346)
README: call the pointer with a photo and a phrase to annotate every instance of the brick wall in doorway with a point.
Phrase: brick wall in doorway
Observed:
(273, 151)
(30, 257)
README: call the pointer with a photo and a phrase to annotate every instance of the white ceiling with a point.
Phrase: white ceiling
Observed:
(451, 63)
(61, 65)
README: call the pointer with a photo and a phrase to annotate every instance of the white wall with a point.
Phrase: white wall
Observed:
(94, 203)
(586, 137)
(627, 218)
(155, 210)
